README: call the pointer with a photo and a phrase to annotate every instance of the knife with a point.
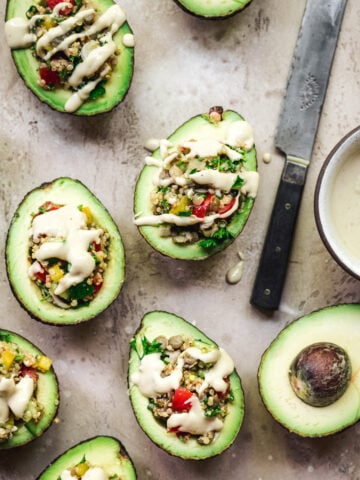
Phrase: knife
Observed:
(295, 137)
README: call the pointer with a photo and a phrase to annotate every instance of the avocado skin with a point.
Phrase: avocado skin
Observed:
(144, 186)
(116, 88)
(339, 324)
(164, 323)
(101, 445)
(210, 16)
(47, 381)
(24, 289)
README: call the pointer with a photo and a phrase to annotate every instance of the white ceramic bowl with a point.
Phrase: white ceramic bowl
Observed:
(337, 203)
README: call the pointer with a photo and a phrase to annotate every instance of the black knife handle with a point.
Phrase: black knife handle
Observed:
(272, 268)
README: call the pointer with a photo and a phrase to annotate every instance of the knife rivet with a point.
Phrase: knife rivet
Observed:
(287, 206)
(277, 249)
(267, 291)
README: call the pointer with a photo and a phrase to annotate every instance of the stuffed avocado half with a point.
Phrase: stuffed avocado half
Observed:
(196, 191)
(309, 375)
(64, 254)
(98, 458)
(184, 389)
(213, 8)
(29, 395)
(74, 55)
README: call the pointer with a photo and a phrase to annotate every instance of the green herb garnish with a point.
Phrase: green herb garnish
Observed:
(98, 91)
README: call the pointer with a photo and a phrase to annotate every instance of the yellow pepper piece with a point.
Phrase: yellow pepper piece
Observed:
(43, 363)
(180, 206)
(87, 211)
(81, 469)
(7, 358)
(49, 23)
(56, 273)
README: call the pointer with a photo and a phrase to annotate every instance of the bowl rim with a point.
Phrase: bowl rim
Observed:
(344, 144)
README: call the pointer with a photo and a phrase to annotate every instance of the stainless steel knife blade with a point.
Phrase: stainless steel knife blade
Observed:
(295, 137)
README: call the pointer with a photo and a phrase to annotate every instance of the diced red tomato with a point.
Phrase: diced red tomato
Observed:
(227, 207)
(180, 401)
(200, 210)
(97, 287)
(64, 11)
(48, 76)
(29, 372)
(96, 246)
(41, 276)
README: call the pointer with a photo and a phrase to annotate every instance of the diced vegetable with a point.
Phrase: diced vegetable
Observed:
(181, 400)
(7, 358)
(43, 363)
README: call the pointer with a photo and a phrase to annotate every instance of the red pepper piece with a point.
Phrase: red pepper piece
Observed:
(180, 401)
(200, 210)
(49, 76)
(64, 11)
(227, 207)
(41, 276)
(29, 372)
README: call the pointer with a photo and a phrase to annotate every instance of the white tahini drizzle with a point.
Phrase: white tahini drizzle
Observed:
(15, 396)
(69, 240)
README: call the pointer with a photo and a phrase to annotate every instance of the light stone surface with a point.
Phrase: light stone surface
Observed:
(183, 66)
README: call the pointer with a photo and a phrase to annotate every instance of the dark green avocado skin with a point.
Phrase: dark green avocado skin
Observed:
(194, 12)
(157, 323)
(116, 88)
(102, 448)
(62, 190)
(49, 382)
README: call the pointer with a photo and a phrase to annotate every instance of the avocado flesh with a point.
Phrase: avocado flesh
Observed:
(213, 8)
(101, 451)
(61, 191)
(167, 324)
(116, 87)
(47, 394)
(144, 187)
(339, 325)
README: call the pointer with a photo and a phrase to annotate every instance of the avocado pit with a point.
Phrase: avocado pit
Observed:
(320, 374)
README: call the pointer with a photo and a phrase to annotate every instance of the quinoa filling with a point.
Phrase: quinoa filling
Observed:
(68, 254)
(187, 384)
(19, 374)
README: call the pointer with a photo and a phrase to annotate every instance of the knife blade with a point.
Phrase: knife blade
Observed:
(295, 137)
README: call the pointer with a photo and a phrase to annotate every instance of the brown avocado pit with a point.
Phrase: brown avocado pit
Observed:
(320, 374)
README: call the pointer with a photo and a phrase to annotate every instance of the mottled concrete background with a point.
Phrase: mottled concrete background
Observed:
(183, 66)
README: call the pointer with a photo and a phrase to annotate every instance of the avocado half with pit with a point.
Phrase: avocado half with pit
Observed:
(154, 326)
(213, 8)
(61, 191)
(104, 454)
(200, 126)
(309, 375)
(110, 92)
(46, 393)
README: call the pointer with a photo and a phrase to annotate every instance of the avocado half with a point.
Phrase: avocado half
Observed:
(62, 191)
(116, 87)
(144, 186)
(159, 323)
(47, 394)
(101, 451)
(338, 325)
(213, 8)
